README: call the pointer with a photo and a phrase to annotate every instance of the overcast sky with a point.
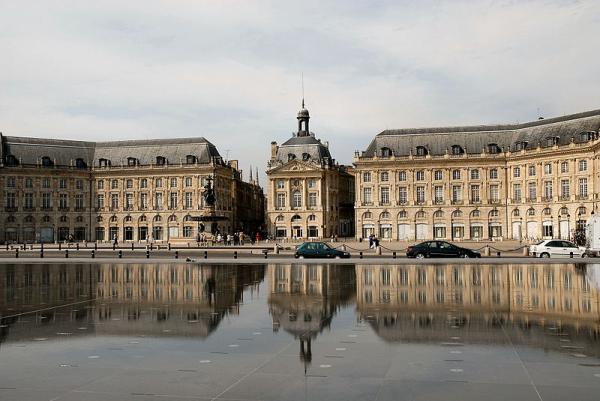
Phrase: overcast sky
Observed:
(231, 71)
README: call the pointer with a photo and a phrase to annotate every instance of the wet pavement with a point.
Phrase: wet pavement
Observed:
(299, 332)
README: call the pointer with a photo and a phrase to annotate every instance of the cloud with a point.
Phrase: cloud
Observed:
(230, 70)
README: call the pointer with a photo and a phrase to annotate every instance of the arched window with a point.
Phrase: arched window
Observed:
(305, 157)
(190, 159)
(11, 160)
(457, 214)
(279, 218)
(296, 219)
(438, 214)
(80, 163)
(160, 160)
(46, 219)
(28, 219)
(127, 218)
(475, 214)
(516, 213)
(420, 214)
(143, 218)
(291, 157)
(10, 219)
(47, 162)
(457, 150)
(494, 213)
(547, 211)
(384, 216)
(63, 219)
(422, 151)
(157, 218)
(493, 148)
(113, 219)
(403, 214)
(581, 210)
(79, 219)
(172, 218)
(99, 219)
(386, 152)
(187, 217)
(531, 212)
(296, 199)
(563, 211)
(367, 215)
(312, 217)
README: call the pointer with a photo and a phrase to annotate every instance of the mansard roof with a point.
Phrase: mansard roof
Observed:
(65, 152)
(303, 145)
(474, 139)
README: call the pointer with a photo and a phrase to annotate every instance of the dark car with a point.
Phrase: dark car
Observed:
(319, 250)
(439, 249)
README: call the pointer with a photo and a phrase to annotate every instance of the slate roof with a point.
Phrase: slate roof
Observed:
(65, 152)
(473, 139)
(298, 145)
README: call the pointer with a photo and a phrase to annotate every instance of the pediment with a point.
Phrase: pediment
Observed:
(295, 166)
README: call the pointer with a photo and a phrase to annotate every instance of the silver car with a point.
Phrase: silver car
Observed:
(557, 248)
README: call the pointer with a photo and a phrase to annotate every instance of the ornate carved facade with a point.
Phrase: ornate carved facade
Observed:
(533, 180)
(132, 190)
(310, 195)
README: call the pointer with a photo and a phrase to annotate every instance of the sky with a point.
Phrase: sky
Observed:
(231, 71)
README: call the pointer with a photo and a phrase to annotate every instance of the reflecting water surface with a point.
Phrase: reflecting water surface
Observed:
(273, 332)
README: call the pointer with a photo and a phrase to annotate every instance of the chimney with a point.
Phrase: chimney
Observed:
(274, 149)
(233, 164)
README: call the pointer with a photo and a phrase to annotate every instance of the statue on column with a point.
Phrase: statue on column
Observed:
(209, 193)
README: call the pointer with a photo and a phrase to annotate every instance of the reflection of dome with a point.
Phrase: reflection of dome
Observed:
(303, 113)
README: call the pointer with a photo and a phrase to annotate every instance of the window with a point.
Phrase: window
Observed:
(494, 213)
(280, 184)
(403, 214)
(100, 201)
(474, 174)
(438, 175)
(103, 162)
(531, 170)
(420, 175)
(28, 183)
(46, 200)
(582, 165)
(516, 172)
(11, 160)
(312, 183)
(384, 195)
(131, 161)
(129, 184)
(494, 194)
(521, 145)
(494, 174)
(402, 176)
(548, 168)
(457, 150)
(312, 199)
(384, 176)
(297, 199)
(565, 189)
(11, 182)
(114, 201)
(456, 193)
(516, 213)
(173, 182)
(516, 192)
(386, 152)
(47, 162)
(158, 183)
(280, 200)
(422, 151)
(367, 215)
(438, 214)
(160, 161)
(62, 183)
(456, 174)
(564, 167)
(583, 187)
(312, 217)
(493, 148)
(531, 212)
(402, 195)
(532, 191)
(190, 159)
(143, 183)
(173, 200)
(551, 141)
(158, 201)
(367, 195)
(188, 181)
(438, 191)
(114, 184)
(420, 194)
(475, 214)
(143, 201)
(305, 157)
(548, 190)
(475, 194)
(367, 177)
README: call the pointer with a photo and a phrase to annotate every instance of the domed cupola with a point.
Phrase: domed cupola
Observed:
(303, 118)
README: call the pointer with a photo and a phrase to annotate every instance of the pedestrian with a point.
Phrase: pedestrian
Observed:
(115, 241)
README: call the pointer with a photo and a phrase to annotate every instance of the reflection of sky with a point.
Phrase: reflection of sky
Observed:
(232, 74)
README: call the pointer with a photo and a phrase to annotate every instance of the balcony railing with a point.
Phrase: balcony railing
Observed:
(63, 208)
(367, 204)
(46, 208)
(29, 209)
(530, 200)
(547, 199)
(475, 201)
(80, 209)
(581, 197)
(565, 198)
(11, 209)
(402, 203)
(457, 202)
(439, 201)
(384, 203)
(494, 201)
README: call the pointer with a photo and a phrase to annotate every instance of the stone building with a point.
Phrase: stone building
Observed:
(521, 181)
(310, 195)
(135, 190)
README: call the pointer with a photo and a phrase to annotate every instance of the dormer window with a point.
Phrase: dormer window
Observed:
(587, 136)
(190, 159)
(80, 163)
(422, 151)
(47, 162)
(457, 150)
(521, 145)
(551, 141)
(291, 157)
(132, 161)
(160, 160)
(493, 148)
(386, 152)
(11, 160)
(103, 162)
(305, 157)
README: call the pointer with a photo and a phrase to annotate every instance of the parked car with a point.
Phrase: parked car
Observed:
(439, 249)
(319, 250)
(557, 248)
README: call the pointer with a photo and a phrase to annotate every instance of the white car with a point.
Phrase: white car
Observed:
(556, 248)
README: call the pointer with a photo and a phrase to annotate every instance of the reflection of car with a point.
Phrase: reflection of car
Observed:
(319, 250)
(556, 248)
(439, 249)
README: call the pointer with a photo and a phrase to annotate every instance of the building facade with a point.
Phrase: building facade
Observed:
(309, 194)
(523, 181)
(146, 190)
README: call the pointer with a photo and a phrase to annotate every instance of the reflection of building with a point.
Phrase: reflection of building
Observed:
(129, 298)
(416, 303)
(304, 298)
(134, 190)
(310, 195)
(536, 179)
